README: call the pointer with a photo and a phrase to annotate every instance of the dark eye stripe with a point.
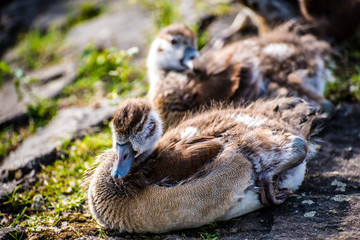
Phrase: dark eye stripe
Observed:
(152, 128)
(141, 125)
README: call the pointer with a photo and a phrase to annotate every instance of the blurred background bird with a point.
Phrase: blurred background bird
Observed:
(280, 63)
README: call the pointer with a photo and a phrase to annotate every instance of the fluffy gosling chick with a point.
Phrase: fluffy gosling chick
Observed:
(215, 166)
(281, 63)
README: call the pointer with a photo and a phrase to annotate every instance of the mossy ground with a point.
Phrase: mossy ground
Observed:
(56, 207)
(56, 203)
(346, 87)
(102, 73)
(40, 47)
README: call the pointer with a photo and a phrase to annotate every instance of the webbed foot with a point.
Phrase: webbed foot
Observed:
(270, 194)
(270, 179)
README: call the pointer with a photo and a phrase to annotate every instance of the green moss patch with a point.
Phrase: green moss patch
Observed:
(346, 87)
(105, 73)
(57, 200)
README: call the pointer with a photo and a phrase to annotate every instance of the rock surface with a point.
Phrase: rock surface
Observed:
(41, 148)
(12, 23)
(108, 30)
(123, 27)
(41, 14)
(12, 233)
(50, 82)
(11, 109)
(53, 79)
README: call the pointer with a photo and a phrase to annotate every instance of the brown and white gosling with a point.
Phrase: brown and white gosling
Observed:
(215, 166)
(281, 63)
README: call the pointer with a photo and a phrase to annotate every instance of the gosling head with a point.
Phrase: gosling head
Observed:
(136, 129)
(174, 48)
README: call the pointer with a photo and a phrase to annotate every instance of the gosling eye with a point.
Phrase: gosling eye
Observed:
(174, 41)
(140, 127)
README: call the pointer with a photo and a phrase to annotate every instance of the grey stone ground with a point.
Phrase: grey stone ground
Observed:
(110, 29)
(41, 148)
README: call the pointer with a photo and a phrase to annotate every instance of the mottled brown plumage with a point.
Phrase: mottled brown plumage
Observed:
(214, 166)
(183, 159)
(281, 63)
(128, 115)
(178, 93)
(177, 29)
(175, 89)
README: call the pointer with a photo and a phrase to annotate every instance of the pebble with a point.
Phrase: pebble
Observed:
(308, 202)
(341, 187)
(339, 198)
(310, 214)
(333, 211)
(64, 225)
(38, 203)
(18, 174)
